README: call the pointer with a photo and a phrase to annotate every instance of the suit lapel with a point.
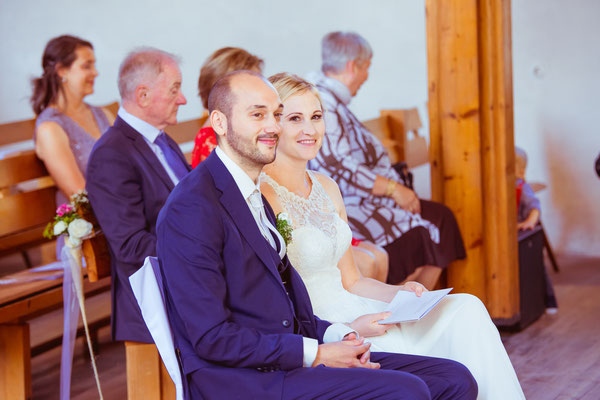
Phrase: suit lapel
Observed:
(142, 147)
(236, 206)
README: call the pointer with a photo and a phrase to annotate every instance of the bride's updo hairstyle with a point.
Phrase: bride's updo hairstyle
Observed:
(59, 52)
(288, 85)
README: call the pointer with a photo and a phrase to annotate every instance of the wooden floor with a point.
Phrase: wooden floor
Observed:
(557, 357)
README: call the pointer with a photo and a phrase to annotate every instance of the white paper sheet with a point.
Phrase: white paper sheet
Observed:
(407, 306)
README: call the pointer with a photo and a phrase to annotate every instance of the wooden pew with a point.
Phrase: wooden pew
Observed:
(398, 130)
(20, 131)
(19, 303)
(45, 296)
(24, 213)
(404, 128)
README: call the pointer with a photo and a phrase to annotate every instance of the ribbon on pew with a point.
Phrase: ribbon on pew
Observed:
(46, 272)
(73, 304)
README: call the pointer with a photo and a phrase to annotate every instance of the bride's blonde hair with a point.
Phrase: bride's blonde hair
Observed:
(288, 85)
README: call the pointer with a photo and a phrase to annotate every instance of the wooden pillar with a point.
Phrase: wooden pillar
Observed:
(471, 142)
(15, 362)
(147, 378)
(498, 155)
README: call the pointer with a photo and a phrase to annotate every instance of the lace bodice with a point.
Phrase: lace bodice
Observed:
(319, 237)
(319, 240)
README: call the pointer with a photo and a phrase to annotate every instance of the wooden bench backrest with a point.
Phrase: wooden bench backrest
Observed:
(186, 131)
(18, 131)
(404, 125)
(380, 127)
(27, 208)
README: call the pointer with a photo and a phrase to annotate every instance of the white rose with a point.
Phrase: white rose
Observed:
(79, 228)
(59, 228)
(284, 217)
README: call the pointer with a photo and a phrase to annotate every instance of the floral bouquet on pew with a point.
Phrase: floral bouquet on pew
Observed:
(76, 220)
(69, 220)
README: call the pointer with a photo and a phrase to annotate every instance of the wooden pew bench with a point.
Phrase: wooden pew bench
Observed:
(26, 206)
(20, 303)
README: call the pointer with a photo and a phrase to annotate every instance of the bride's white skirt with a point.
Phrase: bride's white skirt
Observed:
(459, 328)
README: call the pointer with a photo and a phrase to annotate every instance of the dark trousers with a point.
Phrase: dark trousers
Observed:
(401, 377)
(415, 248)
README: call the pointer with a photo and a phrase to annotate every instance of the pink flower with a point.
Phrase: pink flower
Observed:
(64, 209)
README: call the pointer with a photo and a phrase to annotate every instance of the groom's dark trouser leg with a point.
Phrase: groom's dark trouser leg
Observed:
(401, 377)
(446, 379)
(352, 383)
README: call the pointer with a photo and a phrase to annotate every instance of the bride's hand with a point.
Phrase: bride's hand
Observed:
(367, 325)
(416, 287)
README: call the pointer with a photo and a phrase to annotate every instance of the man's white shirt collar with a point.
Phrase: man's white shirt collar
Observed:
(241, 178)
(142, 127)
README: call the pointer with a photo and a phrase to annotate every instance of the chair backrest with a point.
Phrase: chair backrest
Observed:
(380, 127)
(27, 201)
(404, 125)
(148, 289)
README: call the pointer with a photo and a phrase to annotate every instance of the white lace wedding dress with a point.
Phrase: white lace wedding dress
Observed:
(459, 328)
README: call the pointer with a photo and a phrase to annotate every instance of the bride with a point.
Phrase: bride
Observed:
(459, 328)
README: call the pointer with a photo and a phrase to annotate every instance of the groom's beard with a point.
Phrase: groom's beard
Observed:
(248, 149)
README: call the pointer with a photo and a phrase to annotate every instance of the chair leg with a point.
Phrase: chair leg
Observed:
(146, 376)
(550, 252)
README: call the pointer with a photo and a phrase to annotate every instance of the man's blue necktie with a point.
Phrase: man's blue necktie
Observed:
(173, 159)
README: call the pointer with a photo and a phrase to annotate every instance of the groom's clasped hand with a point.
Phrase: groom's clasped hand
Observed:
(351, 352)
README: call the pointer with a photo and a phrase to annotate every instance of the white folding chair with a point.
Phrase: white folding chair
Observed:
(149, 293)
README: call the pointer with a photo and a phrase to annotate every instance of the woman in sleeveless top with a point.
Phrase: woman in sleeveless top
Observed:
(459, 328)
(67, 127)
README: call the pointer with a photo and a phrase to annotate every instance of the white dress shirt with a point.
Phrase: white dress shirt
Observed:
(335, 332)
(149, 133)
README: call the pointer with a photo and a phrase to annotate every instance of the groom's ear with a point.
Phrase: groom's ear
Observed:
(218, 121)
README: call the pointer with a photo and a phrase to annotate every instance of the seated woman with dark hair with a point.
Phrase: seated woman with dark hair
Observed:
(217, 65)
(66, 126)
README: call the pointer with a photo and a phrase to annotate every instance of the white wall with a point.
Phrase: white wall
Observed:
(286, 34)
(556, 61)
(554, 113)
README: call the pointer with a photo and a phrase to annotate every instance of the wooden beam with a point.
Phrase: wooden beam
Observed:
(471, 142)
(498, 167)
(456, 139)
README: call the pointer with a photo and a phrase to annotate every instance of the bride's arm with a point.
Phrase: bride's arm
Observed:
(352, 279)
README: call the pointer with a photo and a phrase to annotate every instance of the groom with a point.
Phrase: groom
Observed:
(241, 317)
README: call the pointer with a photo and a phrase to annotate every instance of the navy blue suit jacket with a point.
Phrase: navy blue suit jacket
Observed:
(227, 306)
(127, 186)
